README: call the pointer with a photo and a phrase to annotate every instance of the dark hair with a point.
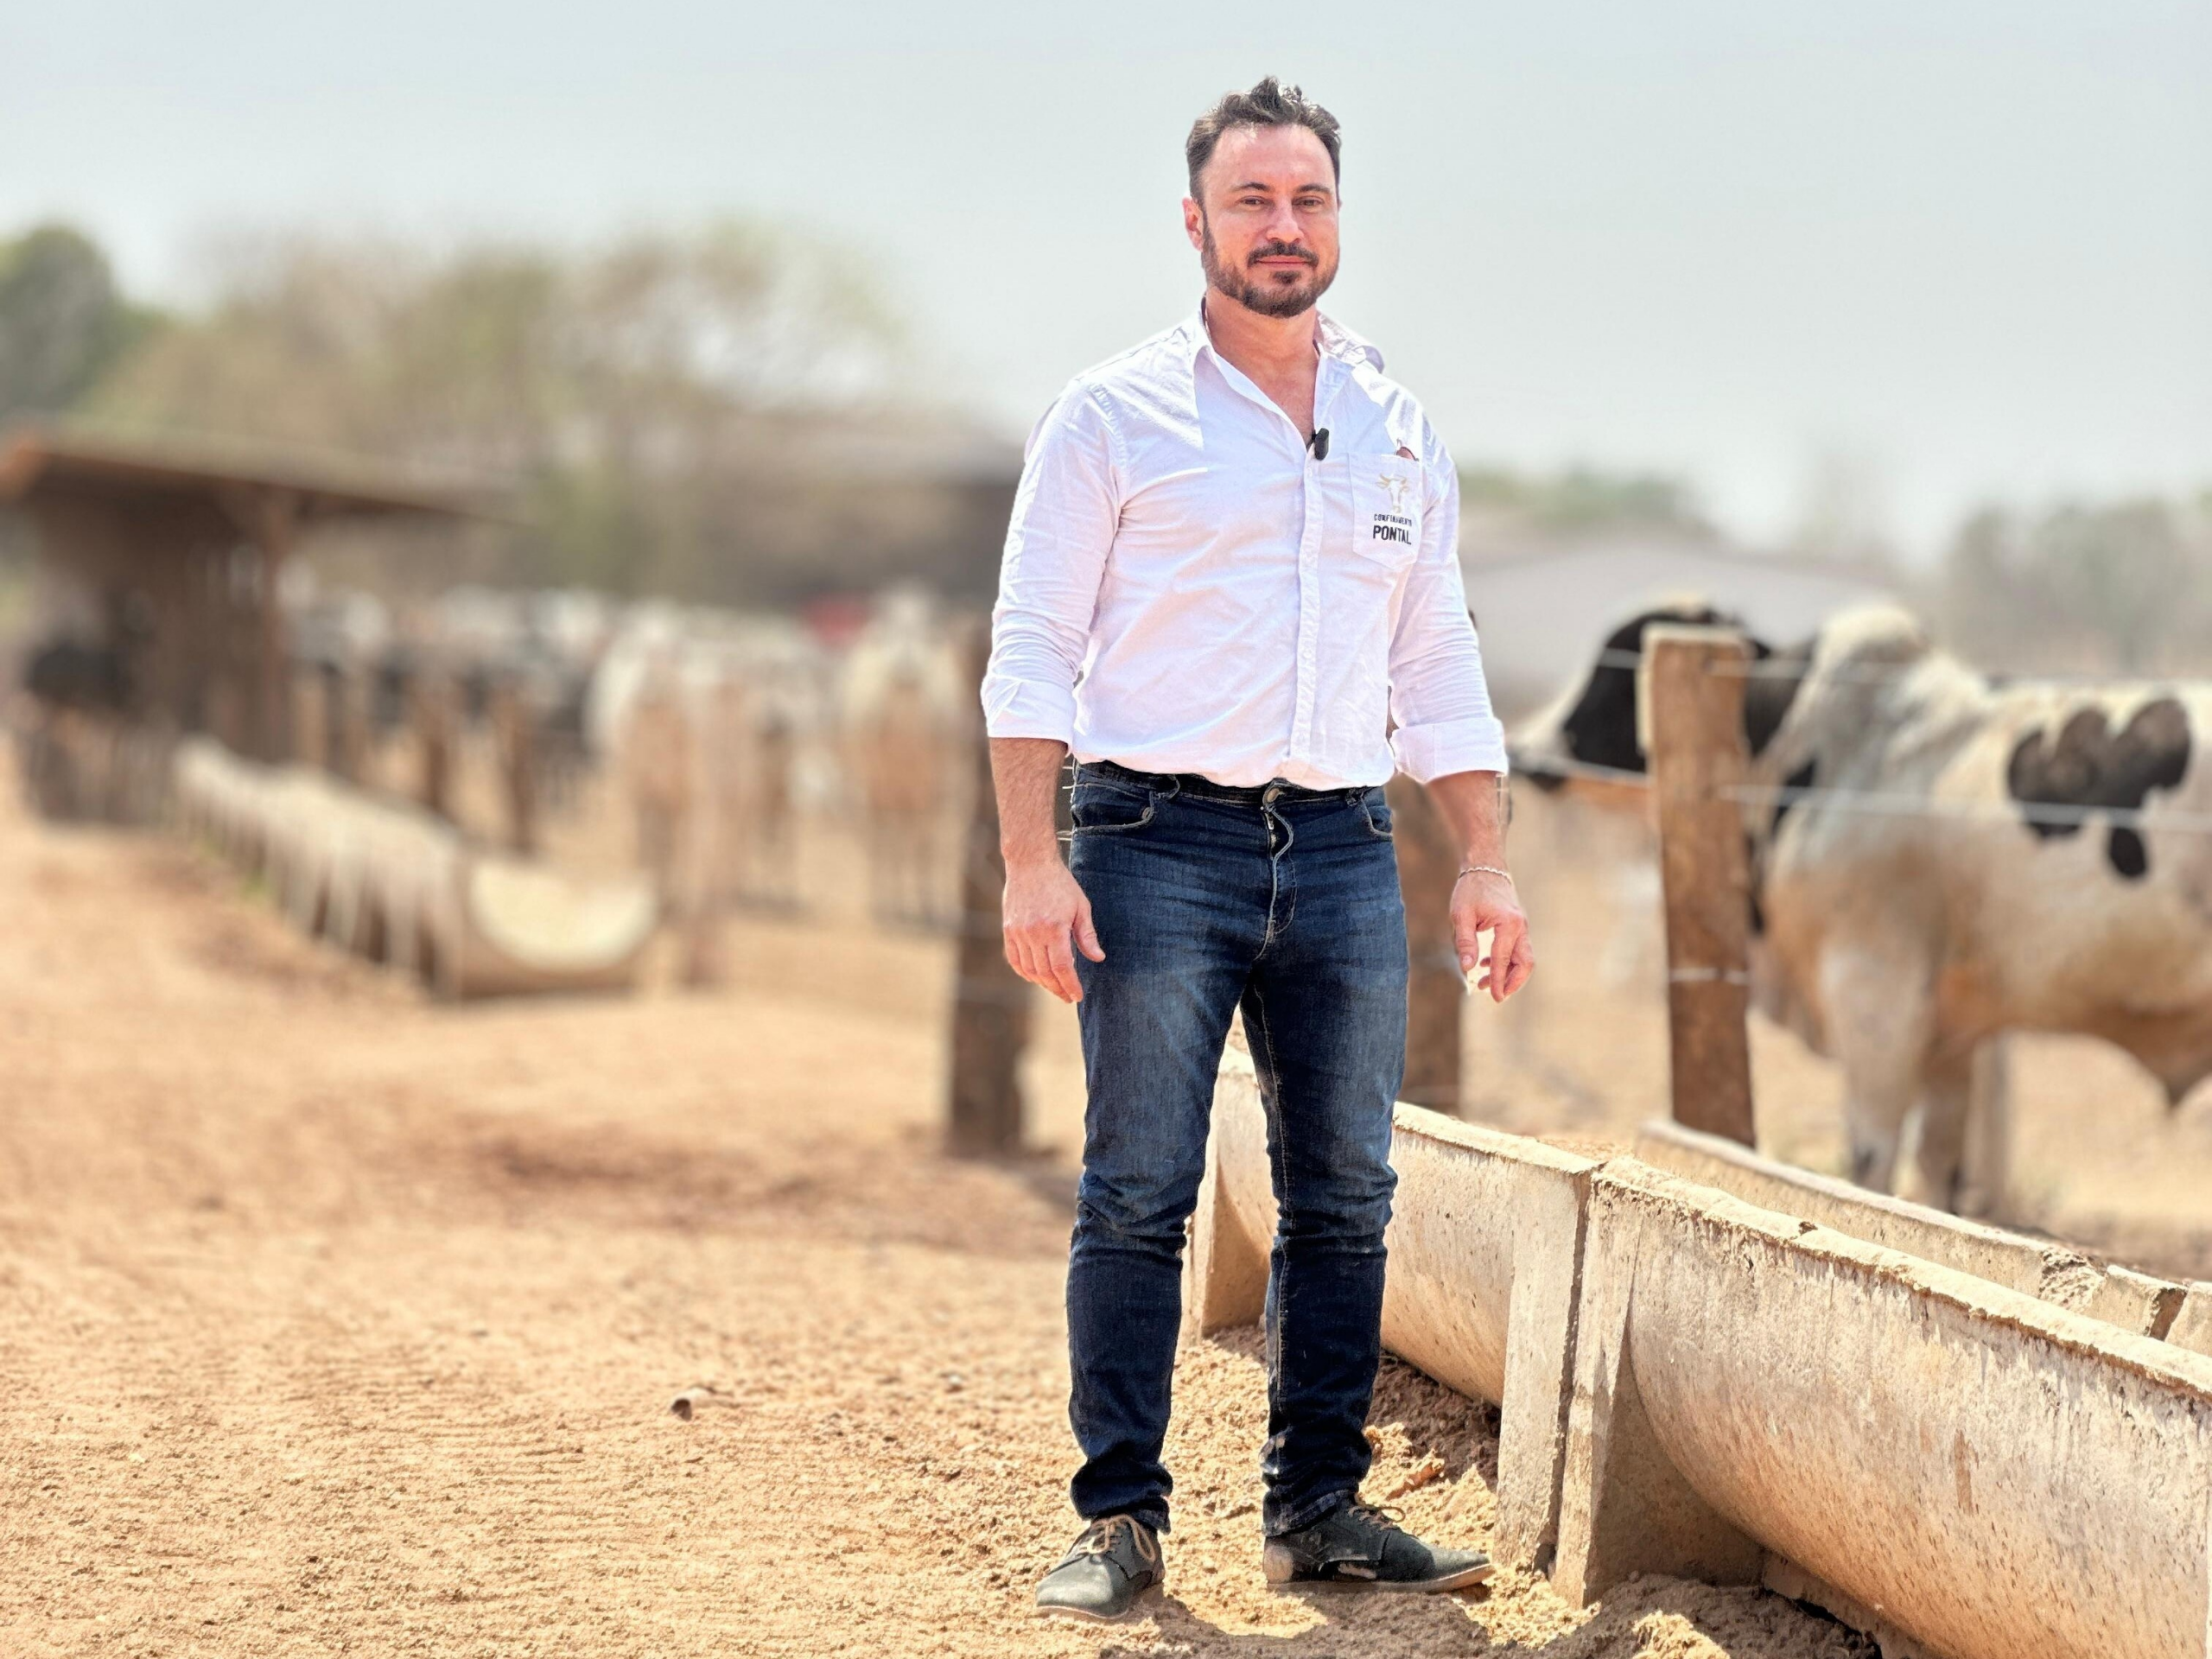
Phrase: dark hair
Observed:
(1268, 105)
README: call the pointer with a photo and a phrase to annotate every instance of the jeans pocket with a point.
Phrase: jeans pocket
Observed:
(1101, 809)
(1378, 809)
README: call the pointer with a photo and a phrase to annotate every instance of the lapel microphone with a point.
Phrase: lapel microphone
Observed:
(1319, 443)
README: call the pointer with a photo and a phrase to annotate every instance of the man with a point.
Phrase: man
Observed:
(1232, 565)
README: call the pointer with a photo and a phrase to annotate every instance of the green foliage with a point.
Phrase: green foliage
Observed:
(63, 322)
(614, 389)
(594, 523)
(513, 358)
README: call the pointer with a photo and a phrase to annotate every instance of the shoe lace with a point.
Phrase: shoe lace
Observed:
(1378, 1515)
(1099, 1538)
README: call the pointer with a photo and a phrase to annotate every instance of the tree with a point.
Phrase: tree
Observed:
(2117, 586)
(689, 413)
(63, 322)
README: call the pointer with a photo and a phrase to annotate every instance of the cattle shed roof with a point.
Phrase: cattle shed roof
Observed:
(37, 460)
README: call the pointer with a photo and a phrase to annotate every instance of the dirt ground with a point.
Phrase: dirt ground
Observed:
(333, 1321)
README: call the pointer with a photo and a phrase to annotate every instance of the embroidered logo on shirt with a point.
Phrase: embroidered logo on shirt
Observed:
(1394, 525)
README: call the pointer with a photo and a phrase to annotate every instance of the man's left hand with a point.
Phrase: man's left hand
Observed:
(1485, 903)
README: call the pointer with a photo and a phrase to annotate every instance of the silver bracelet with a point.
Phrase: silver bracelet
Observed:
(1482, 870)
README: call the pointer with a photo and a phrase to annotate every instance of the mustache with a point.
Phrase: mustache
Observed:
(1283, 250)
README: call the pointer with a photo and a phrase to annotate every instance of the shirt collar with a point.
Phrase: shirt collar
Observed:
(1336, 340)
(1339, 341)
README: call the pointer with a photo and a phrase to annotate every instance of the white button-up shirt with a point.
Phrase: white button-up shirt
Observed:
(1187, 588)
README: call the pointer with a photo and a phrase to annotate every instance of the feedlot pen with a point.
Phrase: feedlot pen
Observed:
(335, 1320)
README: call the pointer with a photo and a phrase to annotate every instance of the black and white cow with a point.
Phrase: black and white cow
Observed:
(2008, 857)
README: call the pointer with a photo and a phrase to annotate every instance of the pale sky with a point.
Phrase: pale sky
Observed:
(1965, 244)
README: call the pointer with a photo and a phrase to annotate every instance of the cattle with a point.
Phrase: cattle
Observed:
(743, 752)
(68, 725)
(558, 697)
(66, 674)
(903, 710)
(658, 764)
(746, 693)
(1938, 858)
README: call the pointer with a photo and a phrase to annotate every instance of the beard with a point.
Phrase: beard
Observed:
(1269, 297)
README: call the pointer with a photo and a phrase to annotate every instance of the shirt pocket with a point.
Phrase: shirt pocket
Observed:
(1386, 509)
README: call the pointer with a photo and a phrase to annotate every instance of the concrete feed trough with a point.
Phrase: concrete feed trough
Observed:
(2041, 1267)
(390, 881)
(2192, 1326)
(1693, 1384)
(1484, 1242)
(1934, 1455)
(526, 929)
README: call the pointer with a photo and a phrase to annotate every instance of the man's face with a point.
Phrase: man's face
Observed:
(1265, 219)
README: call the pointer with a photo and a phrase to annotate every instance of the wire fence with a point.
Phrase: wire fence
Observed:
(2053, 814)
(1895, 805)
(1793, 668)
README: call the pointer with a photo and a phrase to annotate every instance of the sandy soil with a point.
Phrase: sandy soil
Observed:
(332, 1320)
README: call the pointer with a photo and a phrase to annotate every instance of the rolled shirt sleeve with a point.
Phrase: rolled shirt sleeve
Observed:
(1065, 511)
(1440, 702)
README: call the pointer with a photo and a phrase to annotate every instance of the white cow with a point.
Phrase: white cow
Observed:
(904, 712)
(1996, 857)
(753, 697)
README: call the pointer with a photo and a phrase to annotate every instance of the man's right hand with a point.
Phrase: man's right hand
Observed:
(1043, 910)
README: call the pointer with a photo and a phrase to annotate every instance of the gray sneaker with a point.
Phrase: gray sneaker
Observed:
(1114, 1560)
(1361, 1547)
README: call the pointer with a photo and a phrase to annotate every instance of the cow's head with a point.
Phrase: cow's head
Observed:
(1593, 725)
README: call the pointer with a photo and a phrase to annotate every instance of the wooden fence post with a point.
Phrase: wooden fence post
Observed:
(311, 715)
(1690, 707)
(351, 727)
(433, 713)
(514, 740)
(990, 1001)
(1436, 991)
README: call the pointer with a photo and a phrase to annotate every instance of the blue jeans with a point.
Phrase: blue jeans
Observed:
(1284, 902)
